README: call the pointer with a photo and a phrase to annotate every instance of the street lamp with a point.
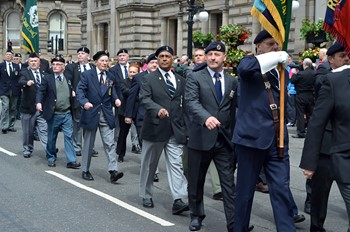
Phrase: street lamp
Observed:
(202, 16)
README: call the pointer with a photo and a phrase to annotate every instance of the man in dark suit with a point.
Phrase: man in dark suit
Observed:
(96, 92)
(75, 70)
(120, 71)
(30, 81)
(54, 100)
(210, 99)
(10, 90)
(17, 58)
(320, 163)
(163, 128)
(304, 82)
(255, 136)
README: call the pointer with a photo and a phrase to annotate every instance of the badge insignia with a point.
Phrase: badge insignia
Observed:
(232, 93)
(218, 47)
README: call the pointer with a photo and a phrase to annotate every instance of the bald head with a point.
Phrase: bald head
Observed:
(307, 63)
(322, 54)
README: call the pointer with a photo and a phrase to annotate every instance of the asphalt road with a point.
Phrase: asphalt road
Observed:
(37, 198)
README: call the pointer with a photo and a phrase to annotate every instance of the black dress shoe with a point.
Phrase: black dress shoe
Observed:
(155, 178)
(12, 129)
(136, 149)
(115, 176)
(300, 136)
(299, 218)
(4, 131)
(73, 165)
(26, 155)
(87, 176)
(250, 228)
(218, 196)
(147, 202)
(77, 153)
(179, 206)
(120, 159)
(94, 153)
(195, 224)
(51, 164)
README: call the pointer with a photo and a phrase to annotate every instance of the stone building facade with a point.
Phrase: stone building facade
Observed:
(139, 25)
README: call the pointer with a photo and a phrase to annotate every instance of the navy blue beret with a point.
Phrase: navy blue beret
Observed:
(83, 49)
(9, 50)
(18, 55)
(164, 48)
(122, 50)
(58, 59)
(99, 54)
(336, 47)
(151, 57)
(33, 55)
(215, 46)
(261, 36)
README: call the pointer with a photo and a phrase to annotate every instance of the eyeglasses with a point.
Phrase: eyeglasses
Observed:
(271, 43)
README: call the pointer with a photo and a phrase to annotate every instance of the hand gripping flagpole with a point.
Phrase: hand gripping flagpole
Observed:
(282, 101)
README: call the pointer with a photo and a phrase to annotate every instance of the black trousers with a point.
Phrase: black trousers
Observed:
(198, 163)
(304, 106)
(123, 134)
(320, 188)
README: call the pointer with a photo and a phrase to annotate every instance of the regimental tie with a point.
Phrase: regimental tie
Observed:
(37, 79)
(218, 86)
(84, 66)
(102, 82)
(10, 69)
(59, 77)
(126, 72)
(169, 84)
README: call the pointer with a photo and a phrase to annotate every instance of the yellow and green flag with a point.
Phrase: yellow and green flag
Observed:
(30, 27)
(274, 16)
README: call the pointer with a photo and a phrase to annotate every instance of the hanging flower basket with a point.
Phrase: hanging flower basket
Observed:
(318, 38)
(233, 35)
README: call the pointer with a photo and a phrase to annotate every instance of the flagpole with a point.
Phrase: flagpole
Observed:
(282, 106)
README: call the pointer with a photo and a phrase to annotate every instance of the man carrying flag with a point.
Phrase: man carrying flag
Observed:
(261, 142)
(30, 31)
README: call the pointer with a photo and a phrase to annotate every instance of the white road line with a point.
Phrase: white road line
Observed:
(7, 152)
(113, 199)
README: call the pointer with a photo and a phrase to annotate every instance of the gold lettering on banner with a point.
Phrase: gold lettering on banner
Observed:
(333, 3)
(29, 28)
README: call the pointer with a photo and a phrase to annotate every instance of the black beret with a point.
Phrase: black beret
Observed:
(99, 54)
(215, 46)
(84, 49)
(122, 50)
(151, 57)
(164, 48)
(58, 59)
(9, 50)
(18, 55)
(261, 36)
(33, 55)
(336, 47)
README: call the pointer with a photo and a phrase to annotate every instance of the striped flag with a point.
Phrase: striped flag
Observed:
(30, 30)
(274, 16)
(337, 20)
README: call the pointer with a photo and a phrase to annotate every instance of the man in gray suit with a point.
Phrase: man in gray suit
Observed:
(210, 99)
(163, 128)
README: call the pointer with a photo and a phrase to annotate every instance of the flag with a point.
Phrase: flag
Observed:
(274, 16)
(30, 30)
(337, 20)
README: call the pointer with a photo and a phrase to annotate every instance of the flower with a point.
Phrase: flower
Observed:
(233, 35)
(202, 39)
(234, 56)
(311, 53)
(309, 27)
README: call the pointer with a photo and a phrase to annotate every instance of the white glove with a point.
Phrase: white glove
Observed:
(269, 60)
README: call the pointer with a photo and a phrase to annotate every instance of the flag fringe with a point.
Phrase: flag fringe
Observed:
(331, 30)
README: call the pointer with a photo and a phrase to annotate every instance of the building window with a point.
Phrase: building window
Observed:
(57, 24)
(13, 34)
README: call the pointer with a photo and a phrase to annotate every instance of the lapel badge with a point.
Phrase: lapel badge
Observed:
(232, 93)
(160, 78)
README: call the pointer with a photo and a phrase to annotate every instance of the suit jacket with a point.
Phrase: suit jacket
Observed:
(254, 121)
(125, 88)
(28, 92)
(47, 95)
(132, 108)
(304, 81)
(9, 84)
(332, 104)
(73, 69)
(118, 74)
(201, 103)
(154, 95)
(88, 90)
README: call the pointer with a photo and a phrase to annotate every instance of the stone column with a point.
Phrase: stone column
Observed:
(225, 17)
(99, 36)
(111, 30)
(163, 31)
(89, 25)
(179, 42)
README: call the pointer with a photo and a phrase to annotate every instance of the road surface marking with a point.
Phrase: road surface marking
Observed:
(113, 199)
(7, 152)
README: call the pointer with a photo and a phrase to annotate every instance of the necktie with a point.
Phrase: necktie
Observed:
(126, 72)
(218, 86)
(101, 79)
(84, 66)
(169, 84)
(59, 78)
(10, 69)
(37, 79)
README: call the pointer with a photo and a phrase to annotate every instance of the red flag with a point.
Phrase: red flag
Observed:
(337, 20)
